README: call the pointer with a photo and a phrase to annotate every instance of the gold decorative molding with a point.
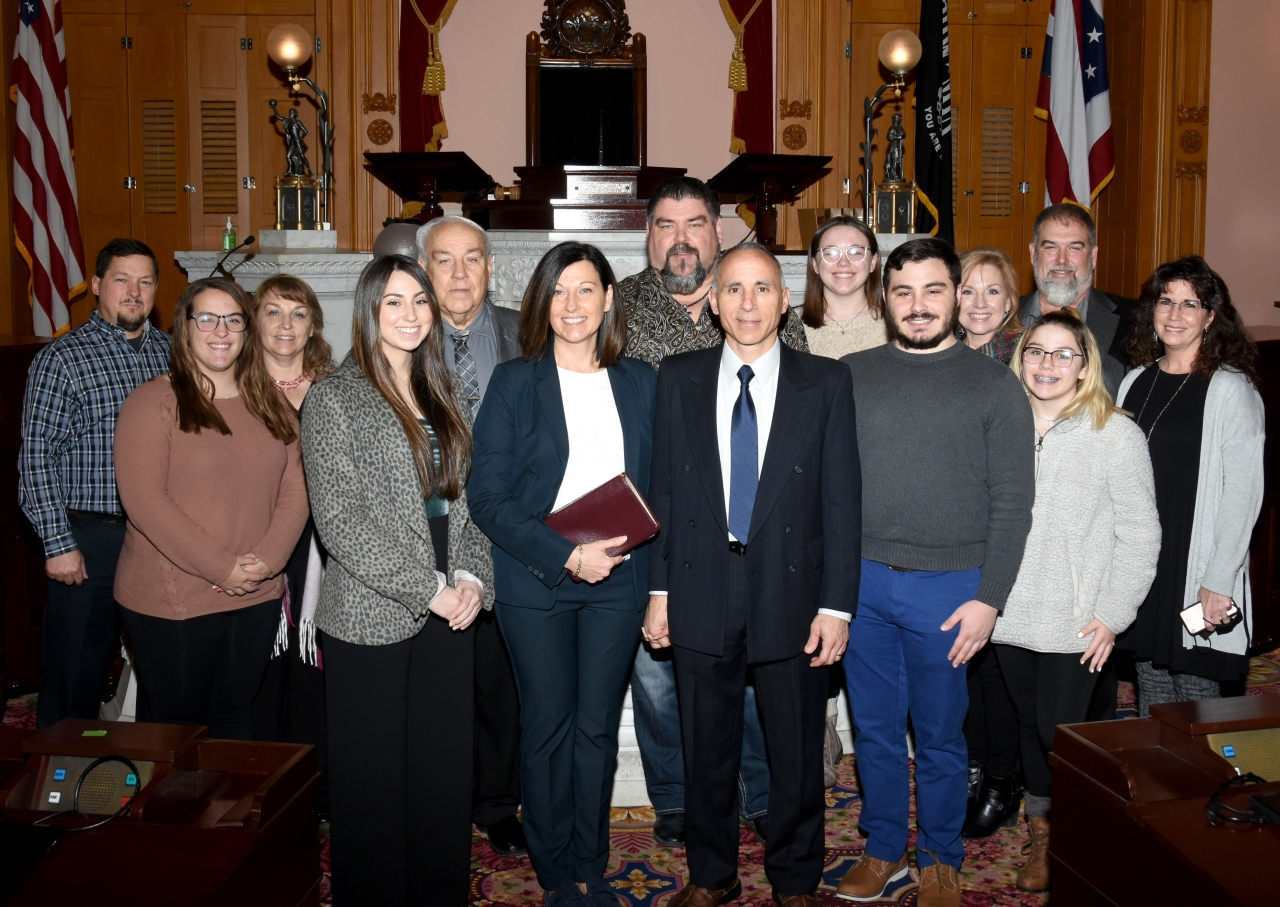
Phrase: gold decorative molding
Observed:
(795, 137)
(795, 109)
(379, 101)
(1189, 169)
(1193, 114)
(380, 132)
(1191, 141)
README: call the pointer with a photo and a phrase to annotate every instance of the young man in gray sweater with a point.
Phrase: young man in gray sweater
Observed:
(948, 477)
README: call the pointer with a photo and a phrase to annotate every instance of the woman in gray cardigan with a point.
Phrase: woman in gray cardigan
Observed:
(387, 447)
(1090, 555)
(1195, 399)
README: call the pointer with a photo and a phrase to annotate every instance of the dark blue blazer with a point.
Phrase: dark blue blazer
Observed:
(804, 548)
(521, 450)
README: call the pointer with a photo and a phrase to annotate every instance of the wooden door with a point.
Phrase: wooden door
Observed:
(97, 75)
(896, 11)
(997, 121)
(1033, 148)
(988, 12)
(218, 137)
(266, 141)
(161, 205)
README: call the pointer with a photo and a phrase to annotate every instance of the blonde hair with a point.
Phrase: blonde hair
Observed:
(1091, 393)
(998, 259)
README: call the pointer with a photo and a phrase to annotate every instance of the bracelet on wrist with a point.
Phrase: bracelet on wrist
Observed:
(578, 572)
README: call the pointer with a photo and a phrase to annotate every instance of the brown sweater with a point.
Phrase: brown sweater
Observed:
(198, 501)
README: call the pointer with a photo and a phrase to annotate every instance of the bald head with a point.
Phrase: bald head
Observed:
(750, 299)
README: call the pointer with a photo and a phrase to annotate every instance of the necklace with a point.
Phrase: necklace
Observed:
(1148, 400)
(843, 326)
(290, 385)
(690, 306)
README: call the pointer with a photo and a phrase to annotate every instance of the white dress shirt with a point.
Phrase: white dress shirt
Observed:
(596, 450)
(763, 389)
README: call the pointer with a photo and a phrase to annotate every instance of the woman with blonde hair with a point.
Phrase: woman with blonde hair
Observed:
(989, 302)
(843, 310)
(288, 325)
(208, 468)
(1090, 555)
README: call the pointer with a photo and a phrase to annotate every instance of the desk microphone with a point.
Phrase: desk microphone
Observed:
(248, 241)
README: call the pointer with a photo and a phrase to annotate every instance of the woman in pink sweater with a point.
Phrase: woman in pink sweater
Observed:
(210, 476)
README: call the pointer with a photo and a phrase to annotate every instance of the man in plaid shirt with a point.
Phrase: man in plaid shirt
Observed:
(67, 484)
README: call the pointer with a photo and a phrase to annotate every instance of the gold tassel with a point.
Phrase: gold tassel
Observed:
(738, 68)
(433, 80)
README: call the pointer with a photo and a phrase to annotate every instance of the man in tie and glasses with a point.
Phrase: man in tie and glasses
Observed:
(757, 485)
(479, 335)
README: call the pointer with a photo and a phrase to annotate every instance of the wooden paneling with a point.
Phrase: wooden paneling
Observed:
(886, 11)
(997, 122)
(1189, 123)
(98, 77)
(266, 139)
(962, 183)
(218, 149)
(370, 30)
(988, 12)
(292, 8)
(157, 102)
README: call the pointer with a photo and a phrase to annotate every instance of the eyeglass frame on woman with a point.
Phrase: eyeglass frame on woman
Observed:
(244, 325)
(1190, 306)
(1028, 355)
(844, 253)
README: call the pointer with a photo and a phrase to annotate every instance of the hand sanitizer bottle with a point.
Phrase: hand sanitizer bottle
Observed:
(228, 237)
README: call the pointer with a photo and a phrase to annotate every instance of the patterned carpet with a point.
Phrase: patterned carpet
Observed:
(646, 874)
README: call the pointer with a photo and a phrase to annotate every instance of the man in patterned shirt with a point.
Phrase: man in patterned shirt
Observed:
(667, 313)
(67, 484)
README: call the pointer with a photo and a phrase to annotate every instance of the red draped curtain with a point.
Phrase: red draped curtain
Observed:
(752, 24)
(422, 123)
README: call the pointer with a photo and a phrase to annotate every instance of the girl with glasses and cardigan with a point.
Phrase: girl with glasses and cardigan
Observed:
(1089, 559)
(387, 444)
(209, 473)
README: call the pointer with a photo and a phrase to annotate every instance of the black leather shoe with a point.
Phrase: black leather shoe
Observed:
(975, 779)
(761, 826)
(506, 837)
(996, 806)
(668, 830)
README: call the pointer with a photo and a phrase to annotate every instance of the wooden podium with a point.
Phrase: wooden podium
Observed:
(1129, 798)
(429, 176)
(768, 180)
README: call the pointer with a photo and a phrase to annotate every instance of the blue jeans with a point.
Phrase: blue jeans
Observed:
(657, 721)
(897, 662)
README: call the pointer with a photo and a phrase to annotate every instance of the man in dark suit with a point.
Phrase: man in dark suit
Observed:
(757, 485)
(1064, 257)
(478, 336)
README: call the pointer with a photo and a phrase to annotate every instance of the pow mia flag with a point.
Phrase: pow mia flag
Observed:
(933, 123)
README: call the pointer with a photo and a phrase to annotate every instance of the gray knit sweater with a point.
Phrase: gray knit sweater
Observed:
(947, 474)
(1095, 537)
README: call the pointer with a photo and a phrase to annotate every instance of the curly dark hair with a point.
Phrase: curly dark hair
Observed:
(1226, 344)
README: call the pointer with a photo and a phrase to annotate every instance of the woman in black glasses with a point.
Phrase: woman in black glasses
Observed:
(843, 309)
(1194, 396)
(209, 473)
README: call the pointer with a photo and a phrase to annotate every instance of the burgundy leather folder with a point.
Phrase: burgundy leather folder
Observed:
(615, 508)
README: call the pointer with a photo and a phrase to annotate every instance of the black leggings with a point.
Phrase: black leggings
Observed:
(990, 727)
(203, 670)
(1048, 689)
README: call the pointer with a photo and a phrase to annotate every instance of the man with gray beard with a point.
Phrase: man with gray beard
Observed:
(667, 313)
(1064, 256)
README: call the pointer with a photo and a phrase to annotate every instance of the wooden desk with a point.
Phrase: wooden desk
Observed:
(1129, 797)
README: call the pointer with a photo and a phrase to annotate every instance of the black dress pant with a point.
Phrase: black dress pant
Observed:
(990, 727)
(400, 749)
(1048, 689)
(81, 628)
(202, 670)
(792, 699)
(497, 764)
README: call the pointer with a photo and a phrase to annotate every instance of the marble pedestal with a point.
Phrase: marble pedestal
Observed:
(331, 274)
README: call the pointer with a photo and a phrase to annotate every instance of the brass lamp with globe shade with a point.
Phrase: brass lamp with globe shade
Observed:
(290, 46)
(899, 53)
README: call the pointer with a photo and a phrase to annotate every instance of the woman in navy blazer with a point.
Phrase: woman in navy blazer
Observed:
(568, 417)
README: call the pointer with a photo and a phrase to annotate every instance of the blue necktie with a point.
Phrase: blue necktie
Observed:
(744, 474)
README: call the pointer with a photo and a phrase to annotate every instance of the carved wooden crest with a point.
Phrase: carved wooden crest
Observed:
(583, 29)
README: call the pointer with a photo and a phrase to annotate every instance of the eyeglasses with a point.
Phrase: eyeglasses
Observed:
(1165, 304)
(208, 322)
(832, 254)
(1033, 355)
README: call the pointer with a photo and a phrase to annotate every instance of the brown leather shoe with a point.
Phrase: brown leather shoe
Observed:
(939, 886)
(697, 896)
(797, 900)
(869, 878)
(1034, 874)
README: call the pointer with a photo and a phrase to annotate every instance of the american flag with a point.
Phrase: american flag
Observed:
(1075, 98)
(45, 223)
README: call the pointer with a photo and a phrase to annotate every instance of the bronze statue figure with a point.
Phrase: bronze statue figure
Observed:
(295, 147)
(893, 157)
